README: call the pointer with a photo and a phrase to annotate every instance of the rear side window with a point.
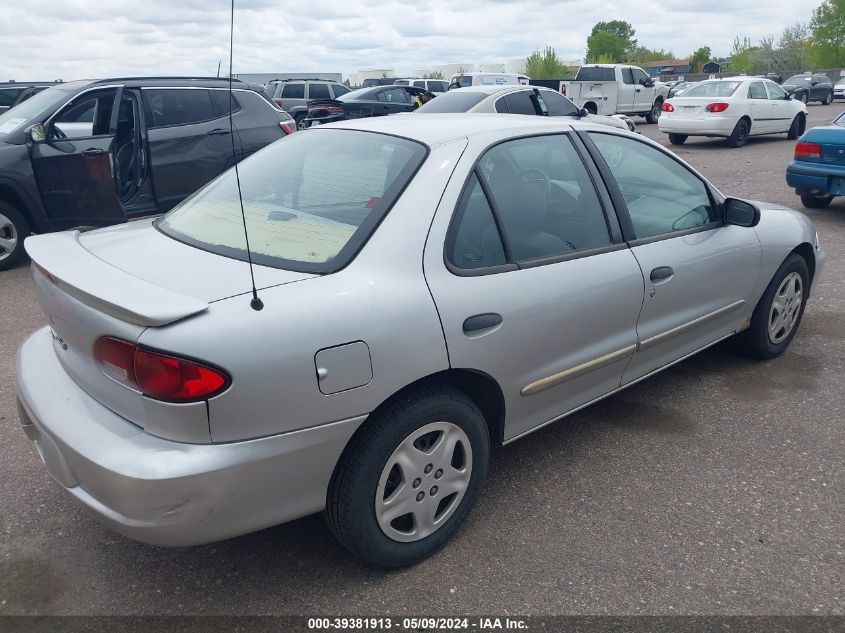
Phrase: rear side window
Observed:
(627, 76)
(437, 86)
(757, 91)
(475, 242)
(393, 95)
(181, 106)
(310, 200)
(339, 89)
(293, 91)
(591, 73)
(223, 100)
(318, 91)
(8, 96)
(419, 84)
(517, 103)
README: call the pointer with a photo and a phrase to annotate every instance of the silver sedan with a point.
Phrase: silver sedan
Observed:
(428, 287)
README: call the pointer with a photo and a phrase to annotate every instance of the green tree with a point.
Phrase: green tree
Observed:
(435, 74)
(544, 65)
(828, 32)
(743, 56)
(614, 39)
(641, 54)
(700, 57)
(794, 47)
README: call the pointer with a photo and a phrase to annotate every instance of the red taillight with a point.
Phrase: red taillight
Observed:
(668, 107)
(807, 150)
(328, 109)
(278, 102)
(719, 106)
(289, 128)
(157, 375)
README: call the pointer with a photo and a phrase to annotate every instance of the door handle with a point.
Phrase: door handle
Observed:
(93, 151)
(661, 273)
(482, 322)
(638, 89)
(218, 131)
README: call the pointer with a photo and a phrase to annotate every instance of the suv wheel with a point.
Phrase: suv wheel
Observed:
(409, 478)
(815, 202)
(298, 118)
(656, 109)
(828, 99)
(13, 229)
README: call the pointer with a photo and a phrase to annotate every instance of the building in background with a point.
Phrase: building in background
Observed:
(667, 67)
(263, 78)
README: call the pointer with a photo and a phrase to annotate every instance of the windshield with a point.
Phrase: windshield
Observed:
(454, 101)
(310, 200)
(593, 73)
(798, 79)
(712, 89)
(841, 82)
(464, 81)
(14, 120)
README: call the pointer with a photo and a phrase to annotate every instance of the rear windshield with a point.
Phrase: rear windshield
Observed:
(591, 73)
(713, 89)
(311, 200)
(454, 101)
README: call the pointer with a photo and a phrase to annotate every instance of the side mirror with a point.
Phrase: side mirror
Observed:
(740, 213)
(37, 133)
(583, 112)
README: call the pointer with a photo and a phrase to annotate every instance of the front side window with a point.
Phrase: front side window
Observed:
(419, 84)
(640, 76)
(181, 106)
(557, 104)
(393, 95)
(544, 197)
(86, 116)
(757, 91)
(310, 200)
(8, 96)
(438, 86)
(662, 195)
(627, 76)
(775, 91)
(822, 79)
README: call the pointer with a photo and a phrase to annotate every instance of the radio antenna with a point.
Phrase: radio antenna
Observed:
(256, 303)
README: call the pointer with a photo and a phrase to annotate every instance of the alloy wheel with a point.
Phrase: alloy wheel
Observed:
(786, 307)
(423, 482)
(8, 237)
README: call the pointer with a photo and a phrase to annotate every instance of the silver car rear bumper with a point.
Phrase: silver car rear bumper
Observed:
(164, 492)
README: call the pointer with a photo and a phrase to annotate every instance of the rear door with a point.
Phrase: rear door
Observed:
(532, 281)
(699, 273)
(74, 167)
(256, 122)
(189, 139)
(518, 102)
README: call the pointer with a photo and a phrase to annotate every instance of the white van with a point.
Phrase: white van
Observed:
(465, 80)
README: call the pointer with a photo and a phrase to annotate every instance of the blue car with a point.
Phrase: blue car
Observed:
(818, 171)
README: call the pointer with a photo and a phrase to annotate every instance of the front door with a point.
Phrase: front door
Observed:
(761, 108)
(782, 109)
(75, 166)
(698, 272)
(627, 91)
(189, 139)
(537, 289)
(643, 96)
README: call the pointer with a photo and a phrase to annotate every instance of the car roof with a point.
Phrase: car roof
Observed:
(438, 129)
(165, 82)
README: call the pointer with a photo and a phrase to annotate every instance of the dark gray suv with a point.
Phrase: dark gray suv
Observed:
(94, 153)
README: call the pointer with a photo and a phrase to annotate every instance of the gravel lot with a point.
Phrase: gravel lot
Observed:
(713, 488)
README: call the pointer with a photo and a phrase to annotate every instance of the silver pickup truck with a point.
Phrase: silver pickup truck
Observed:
(617, 89)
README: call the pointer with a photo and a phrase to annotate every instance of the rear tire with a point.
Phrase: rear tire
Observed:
(655, 111)
(740, 134)
(776, 318)
(678, 139)
(815, 202)
(384, 454)
(298, 118)
(13, 230)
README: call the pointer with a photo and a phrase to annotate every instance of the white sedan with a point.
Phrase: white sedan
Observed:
(735, 109)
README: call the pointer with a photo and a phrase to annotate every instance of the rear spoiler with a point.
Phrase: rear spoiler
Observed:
(81, 274)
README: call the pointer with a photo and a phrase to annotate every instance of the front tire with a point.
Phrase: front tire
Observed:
(410, 477)
(778, 314)
(828, 99)
(815, 202)
(797, 127)
(740, 134)
(656, 109)
(13, 230)
(804, 98)
(678, 139)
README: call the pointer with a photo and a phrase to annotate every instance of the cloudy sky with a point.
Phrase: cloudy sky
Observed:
(69, 39)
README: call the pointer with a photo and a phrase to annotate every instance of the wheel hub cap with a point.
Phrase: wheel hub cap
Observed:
(8, 237)
(423, 482)
(786, 306)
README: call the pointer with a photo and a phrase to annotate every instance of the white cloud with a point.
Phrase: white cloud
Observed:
(43, 39)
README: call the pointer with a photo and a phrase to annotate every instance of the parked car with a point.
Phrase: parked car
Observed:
(434, 86)
(776, 77)
(679, 88)
(467, 80)
(617, 89)
(372, 82)
(293, 95)
(13, 92)
(818, 171)
(532, 100)
(808, 88)
(431, 286)
(839, 89)
(366, 102)
(93, 153)
(735, 109)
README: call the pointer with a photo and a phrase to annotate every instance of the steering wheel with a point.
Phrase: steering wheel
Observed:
(526, 174)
